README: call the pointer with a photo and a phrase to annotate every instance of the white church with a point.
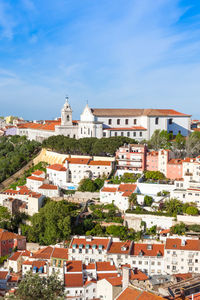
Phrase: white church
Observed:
(138, 124)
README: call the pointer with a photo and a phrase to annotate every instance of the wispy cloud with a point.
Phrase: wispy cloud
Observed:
(7, 23)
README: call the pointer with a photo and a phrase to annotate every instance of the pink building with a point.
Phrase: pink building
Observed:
(174, 169)
(152, 161)
(132, 158)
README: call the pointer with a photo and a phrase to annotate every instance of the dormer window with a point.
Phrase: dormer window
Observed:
(141, 253)
(123, 248)
(74, 246)
(149, 247)
(159, 254)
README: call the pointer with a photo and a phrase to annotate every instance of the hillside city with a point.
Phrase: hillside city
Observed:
(105, 207)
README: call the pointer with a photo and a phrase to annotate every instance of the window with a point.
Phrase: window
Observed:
(140, 133)
(128, 134)
(126, 121)
(170, 121)
(109, 121)
(122, 134)
(134, 133)
(118, 121)
(156, 121)
(135, 121)
(104, 133)
(67, 117)
(115, 133)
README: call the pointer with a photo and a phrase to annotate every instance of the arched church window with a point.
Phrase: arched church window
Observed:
(67, 117)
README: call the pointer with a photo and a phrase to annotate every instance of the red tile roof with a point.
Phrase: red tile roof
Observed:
(115, 281)
(15, 256)
(106, 275)
(6, 235)
(3, 275)
(175, 161)
(37, 173)
(36, 178)
(44, 253)
(133, 294)
(109, 189)
(46, 186)
(99, 163)
(135, 112)
(138, 275)
(147, 249)
(102, 266)
(127, 189)
(73, 280)
(120, 247)
(74, 266)
(60, 253)
(57, 167)
(79, 161)
(90, 266)
(94, 241)
(175, 244)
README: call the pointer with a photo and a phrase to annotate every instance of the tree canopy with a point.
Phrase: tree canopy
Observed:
(52, 224)
(86, 146)
(15, 151)
(34, 287)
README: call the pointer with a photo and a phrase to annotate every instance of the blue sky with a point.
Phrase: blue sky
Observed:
(111, 53)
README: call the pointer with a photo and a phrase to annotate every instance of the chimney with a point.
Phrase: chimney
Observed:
(111, 262)
(86, 262)
(125, 277)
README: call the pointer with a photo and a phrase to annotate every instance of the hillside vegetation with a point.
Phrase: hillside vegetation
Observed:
(86, 146)
(15, 152)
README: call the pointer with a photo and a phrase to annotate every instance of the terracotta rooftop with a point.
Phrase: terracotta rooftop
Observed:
(47, 186)
(135, 112)
(74, 266)
(57, 167)
(15, 256)
(102, 266)
(115, 281)
(73, 280)
(99, 163)
(147, 249)
(37, 173)
(44, 253)
(3, 275)
(61, 253)
(133, 294)
(6, 235)
(176, 244)
(109, 189)
(35, 178)
(79, 161)
(120, 247)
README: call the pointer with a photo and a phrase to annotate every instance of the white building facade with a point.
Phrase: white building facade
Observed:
(139, 124)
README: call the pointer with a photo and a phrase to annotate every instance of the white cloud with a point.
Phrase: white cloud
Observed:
(7, 23)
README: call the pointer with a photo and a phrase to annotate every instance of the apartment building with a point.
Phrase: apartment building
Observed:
(182, 255)
(118, 194)
(131, 158)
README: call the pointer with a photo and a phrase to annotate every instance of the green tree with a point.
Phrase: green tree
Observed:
(154, 175)
(34, 287)
(87, 185)
(160, 140)
(179, 229)
(132, 200)
(148, 200)
(53, 223)
(193, 144)
(5, 218)
(192, 211)
(174, 206)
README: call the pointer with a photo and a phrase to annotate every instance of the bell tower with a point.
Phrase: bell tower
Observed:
(66, 113)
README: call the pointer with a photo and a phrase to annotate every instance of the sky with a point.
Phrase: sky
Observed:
(109, 53)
